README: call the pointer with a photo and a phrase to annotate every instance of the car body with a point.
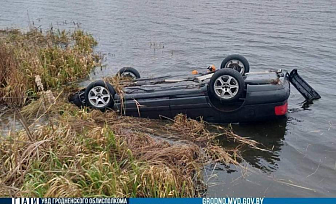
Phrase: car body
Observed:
(230, 94)
(265, 97)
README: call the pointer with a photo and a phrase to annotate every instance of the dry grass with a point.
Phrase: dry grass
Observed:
(58, 57)
(12, 82)
(68, 159)
(81, 153)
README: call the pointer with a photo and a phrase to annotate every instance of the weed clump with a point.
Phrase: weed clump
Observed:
(58, 57)
(12, 82)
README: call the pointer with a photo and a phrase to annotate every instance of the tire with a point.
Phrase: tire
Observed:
(129, 72)
(99, 95)
(226, 85)
(236, 62)
(78, 98)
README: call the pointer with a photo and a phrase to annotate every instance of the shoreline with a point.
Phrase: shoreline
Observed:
(82, 152)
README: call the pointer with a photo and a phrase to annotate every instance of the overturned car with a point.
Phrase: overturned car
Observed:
(230, 94)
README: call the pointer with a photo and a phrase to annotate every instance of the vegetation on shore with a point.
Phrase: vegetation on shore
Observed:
(64, 151)
(58, 57)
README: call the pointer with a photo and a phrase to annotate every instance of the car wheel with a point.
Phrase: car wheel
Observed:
(78, 98)
(227, 85)
(129, 72)
(99, 95)
(236, 62)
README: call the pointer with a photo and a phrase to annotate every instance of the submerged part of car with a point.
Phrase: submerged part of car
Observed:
(222, 96)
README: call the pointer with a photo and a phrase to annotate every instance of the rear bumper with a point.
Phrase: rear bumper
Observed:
(268, 93)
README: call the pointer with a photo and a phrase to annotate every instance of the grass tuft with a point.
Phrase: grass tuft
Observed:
(58, 57)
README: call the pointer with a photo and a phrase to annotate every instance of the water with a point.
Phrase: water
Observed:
(159, 37)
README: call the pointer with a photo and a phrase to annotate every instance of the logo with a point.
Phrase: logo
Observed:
(25, 201)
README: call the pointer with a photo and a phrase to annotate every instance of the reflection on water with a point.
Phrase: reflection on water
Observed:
(270, 136)
(8, 121)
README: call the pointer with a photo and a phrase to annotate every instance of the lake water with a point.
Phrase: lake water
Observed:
(175, 37)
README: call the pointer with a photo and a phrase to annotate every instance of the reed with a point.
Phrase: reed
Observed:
(58, 57)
